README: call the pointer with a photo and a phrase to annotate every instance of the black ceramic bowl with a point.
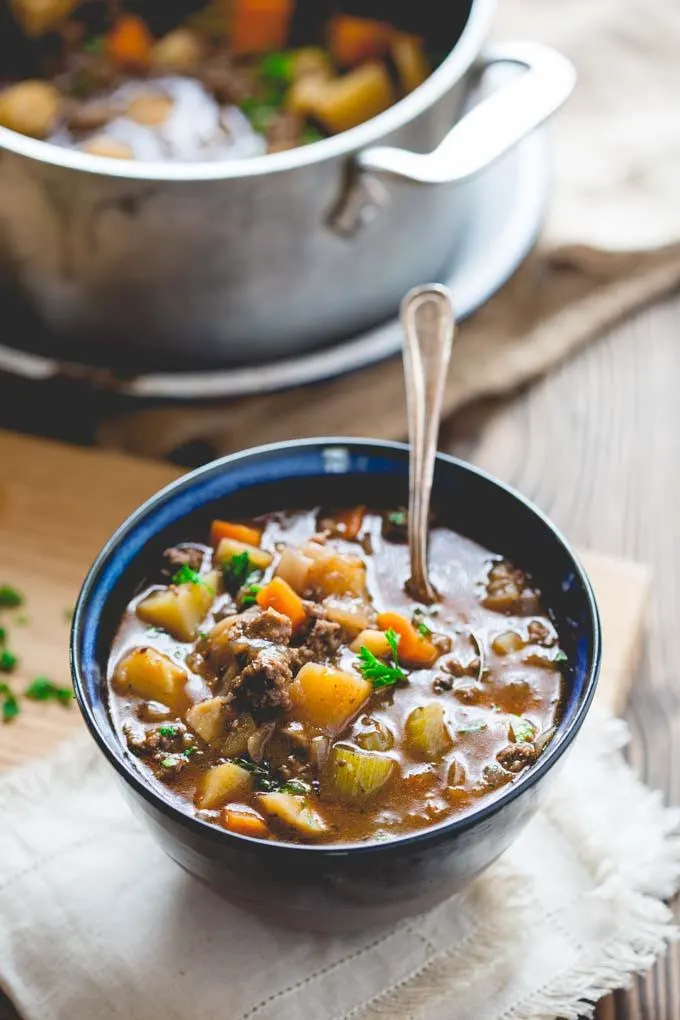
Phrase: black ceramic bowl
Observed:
(334, 888)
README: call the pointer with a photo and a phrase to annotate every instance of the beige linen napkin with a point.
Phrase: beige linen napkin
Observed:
(611, 241)
(95, 922)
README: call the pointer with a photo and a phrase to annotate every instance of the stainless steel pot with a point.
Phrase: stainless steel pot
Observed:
(253, 260)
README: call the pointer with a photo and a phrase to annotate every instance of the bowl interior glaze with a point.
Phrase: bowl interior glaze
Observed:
(334, 472)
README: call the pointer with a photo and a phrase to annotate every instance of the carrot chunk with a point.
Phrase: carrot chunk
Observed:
(240, 532)
(260, 25)
(414, 649)
(129, 42)
(352, 40)
(279, 595)
(245, 822)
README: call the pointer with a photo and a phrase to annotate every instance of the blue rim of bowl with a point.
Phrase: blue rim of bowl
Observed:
(437, 834)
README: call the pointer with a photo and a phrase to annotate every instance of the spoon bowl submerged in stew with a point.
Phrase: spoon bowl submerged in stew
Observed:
(295, 728)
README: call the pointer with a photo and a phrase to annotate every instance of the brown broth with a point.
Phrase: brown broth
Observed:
(476, 704)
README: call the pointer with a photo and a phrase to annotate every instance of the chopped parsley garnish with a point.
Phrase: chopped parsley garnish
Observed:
(521, 730)
(3, 635)
(10, 705)
(10, 598)
(420, 624)
(260, 114)
(393, 640)
(238, 569)
(297, 787)
(173, 760)
(42, 689)
(8, 661)
(379, 673)
(277, 67)
(154, 630)
(398, 517)
(560, 656)
(310, 134)
(471, 727)
(249, 597)
(95, 45)
(68, 615)
(168, 731)
(264, 780)
(21, 620)
(185, 575)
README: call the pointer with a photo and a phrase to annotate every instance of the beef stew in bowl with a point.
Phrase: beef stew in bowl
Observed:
(281, 684)
(200, 82)
(348, 879)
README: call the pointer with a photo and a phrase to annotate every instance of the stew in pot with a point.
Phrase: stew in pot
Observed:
(221, 82)
(280, 683)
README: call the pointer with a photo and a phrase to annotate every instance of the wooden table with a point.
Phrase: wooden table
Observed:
(597, 445)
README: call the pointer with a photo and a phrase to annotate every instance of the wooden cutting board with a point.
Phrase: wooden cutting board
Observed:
(58, 504)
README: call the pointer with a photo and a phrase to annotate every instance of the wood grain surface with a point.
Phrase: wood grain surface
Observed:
(597, 445)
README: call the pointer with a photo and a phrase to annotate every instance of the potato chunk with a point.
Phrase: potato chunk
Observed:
(327, 698)
(353, 615)
(30, 107)
(151, 675)
(358, 775)
(293, 567)
(375, 641)
(293, 812)
(180, 50)
(179, 609)
(209, 719)
(353, 98)
(222, 783)
(507, 642)
(334, 574)
(427, 733)
(230, 547)
(39, 16)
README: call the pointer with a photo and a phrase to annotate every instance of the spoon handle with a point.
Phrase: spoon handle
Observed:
(428, 321)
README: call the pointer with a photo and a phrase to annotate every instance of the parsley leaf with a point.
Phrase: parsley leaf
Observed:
(3, 635)
(264, 780)
(393, 640)
(249, 597)
(420, 624)
(560, 656)
(398, 518)
(238, 569)
(379, 673)
(278, 67)
(10, 597)
(471, 727)
(168, 731)
(42, 689)
(297, 787)
(185, 575)
(521, 730)
(10, 705)
(8, 661)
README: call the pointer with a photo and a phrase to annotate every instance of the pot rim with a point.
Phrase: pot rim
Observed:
(450, 71)
(107, 740)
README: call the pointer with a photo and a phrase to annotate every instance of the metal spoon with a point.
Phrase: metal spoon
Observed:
(428, 321)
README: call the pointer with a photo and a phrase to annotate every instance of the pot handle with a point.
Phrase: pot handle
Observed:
(484, 134)
(490, 128)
